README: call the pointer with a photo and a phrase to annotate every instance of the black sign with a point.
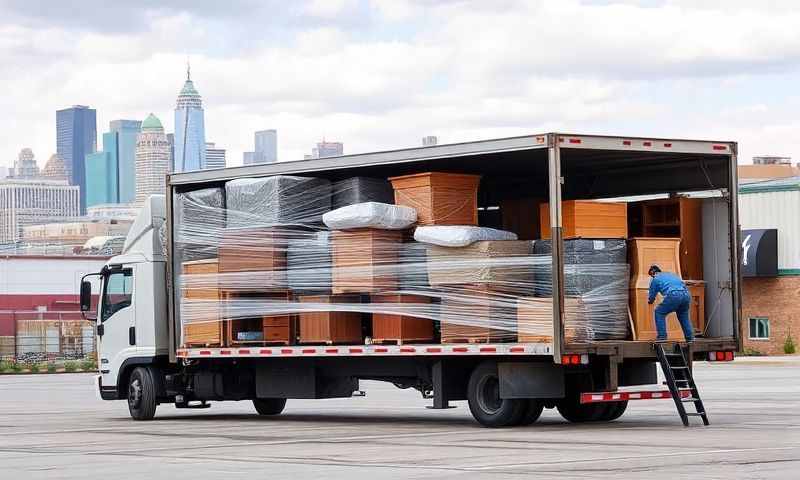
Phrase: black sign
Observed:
(760, 253)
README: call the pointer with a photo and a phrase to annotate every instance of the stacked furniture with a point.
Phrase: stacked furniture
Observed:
(439, 198)
(401, 326)
(588, 219)
(331, 325)
(200, 297)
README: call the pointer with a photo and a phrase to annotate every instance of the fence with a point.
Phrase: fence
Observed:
(46, 337)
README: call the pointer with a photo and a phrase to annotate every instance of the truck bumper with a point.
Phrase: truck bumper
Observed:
(106, 393)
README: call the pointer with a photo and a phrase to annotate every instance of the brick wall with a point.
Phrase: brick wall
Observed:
(777, 299)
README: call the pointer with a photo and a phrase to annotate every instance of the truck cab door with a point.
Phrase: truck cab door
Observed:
(116, 323)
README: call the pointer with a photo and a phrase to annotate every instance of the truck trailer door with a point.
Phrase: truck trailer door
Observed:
(117, 335)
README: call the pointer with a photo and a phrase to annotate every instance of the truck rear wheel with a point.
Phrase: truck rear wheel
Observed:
(591, 412)
(533, 410)
(483, 396)
(269, 406)
(142, 394)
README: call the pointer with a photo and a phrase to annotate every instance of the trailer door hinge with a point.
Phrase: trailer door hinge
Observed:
(561, 180)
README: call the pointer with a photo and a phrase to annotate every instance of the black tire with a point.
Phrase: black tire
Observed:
(533, 410)
(142, 401)
(615, 410)
(483, 396)
(269, 406)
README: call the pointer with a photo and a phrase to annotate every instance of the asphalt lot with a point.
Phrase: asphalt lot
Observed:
(54, 426)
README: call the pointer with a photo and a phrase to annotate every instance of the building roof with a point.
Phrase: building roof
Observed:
(188, 89)
(152, 123)
(774, 185)
(767, 171)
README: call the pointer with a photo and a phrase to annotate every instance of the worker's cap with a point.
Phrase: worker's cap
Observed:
(653, 269)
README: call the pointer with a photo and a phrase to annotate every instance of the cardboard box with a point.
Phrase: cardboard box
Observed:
(328, 325)
(401, 327)
(588, 219)
(200, 308)
(364, 260)
(439, 198)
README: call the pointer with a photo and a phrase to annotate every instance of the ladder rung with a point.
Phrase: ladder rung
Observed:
(690, 399)
(698, 414)
(679, 367)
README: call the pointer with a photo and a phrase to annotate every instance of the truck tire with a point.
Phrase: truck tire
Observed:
(142, 394)
(615, 410)
(269, 406)
(533, 410)
(483, 396)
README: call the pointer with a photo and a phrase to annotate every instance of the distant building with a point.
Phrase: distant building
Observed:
(767, 167)
(25, 166)
(266, 142)
(249, 158)
(55, 169)
(429, 141)
(76, 137)
(215, 157)
(76, 233)
(115, 211)
(327, 149)
(111, 173)
(29, 202)
(171, 140)
(190, 136)
(152, 159)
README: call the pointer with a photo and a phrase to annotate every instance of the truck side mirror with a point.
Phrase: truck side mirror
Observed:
(86, 296)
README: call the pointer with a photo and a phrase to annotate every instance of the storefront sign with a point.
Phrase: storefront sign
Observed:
(760, 253)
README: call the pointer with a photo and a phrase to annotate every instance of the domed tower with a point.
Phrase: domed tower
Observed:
(152, 159)
(55, 169)
(190, 133)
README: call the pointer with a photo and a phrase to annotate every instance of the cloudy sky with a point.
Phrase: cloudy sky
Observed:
(379, 74)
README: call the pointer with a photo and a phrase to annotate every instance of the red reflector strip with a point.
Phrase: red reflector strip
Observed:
(460, 349)
(331, 350)
(574, 140)
(626, 142)
(287, 351)
(647, 144)
(625, 396)
(720, 147)
(667, 145)
(488, 349)
(356, 350)
(309, 350)
(720, 356)
(408, 350)
(244, 351)
(265, 351)
(224, 352)
(381, 350)
(517, 349)
(205, 352)
(433, 350)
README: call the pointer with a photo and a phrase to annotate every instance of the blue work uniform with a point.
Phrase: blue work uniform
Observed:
(676, 299)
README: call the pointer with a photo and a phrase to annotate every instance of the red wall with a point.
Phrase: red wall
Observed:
(11, 304)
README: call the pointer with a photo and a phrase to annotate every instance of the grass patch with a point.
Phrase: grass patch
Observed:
(70, 366)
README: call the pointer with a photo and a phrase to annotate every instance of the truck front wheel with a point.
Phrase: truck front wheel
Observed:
(483, 395)
(269, 406)
(142, 394)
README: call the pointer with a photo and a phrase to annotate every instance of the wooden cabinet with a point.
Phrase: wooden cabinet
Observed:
(644, 314)
(676, 218)
(643, 252)
(439, 198)
(476, 314)
(261, 326)
(200, 313)
(364, 260)
(401, 328)
(587, 219)
(321, 322)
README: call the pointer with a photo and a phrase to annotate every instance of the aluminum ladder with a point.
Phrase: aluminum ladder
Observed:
(679, 379)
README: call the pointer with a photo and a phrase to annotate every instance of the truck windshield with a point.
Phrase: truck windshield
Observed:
(117, 294)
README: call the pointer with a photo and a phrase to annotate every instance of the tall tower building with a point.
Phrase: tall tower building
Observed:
(327, 149)
(25, 166)
(266, 151)
(55, 169)
(152, 159)
(190, 133)
(76, 137)
(111, 173)
(215, 157)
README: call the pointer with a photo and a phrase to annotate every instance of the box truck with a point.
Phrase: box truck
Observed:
(187, 313)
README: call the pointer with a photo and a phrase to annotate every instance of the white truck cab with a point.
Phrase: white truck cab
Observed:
(132, 327)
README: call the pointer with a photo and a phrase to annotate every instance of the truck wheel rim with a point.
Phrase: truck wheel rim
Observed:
(489, 395)
(135, 393)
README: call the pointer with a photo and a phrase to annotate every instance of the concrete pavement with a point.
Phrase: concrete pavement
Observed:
(53, 426)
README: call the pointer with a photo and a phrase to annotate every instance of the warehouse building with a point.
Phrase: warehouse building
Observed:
(770, 265)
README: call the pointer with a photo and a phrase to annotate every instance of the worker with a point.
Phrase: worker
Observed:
(676, 299)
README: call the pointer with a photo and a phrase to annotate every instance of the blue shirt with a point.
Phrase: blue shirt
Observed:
(665, 283)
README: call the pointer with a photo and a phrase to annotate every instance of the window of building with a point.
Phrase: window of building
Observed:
(759, 328)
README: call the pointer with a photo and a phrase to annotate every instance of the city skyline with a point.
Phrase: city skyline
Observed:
(396, 82)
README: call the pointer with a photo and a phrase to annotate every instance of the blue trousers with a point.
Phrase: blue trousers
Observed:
(678, 302)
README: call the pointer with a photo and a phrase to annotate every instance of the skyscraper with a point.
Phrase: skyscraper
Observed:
(111, 173)
(25, 166)
(55, 169)
(215, 157)
(76, 137)
(152, 159)
(429, 140)
(266, 151)
(26, 202)
(190, 136)
(327, 149)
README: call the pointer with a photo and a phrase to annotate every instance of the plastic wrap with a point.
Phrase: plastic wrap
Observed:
(371, 215)
(459, 235)
(280, 276)
(360, 190)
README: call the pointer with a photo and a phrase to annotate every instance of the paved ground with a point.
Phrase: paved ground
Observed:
(53, 426)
